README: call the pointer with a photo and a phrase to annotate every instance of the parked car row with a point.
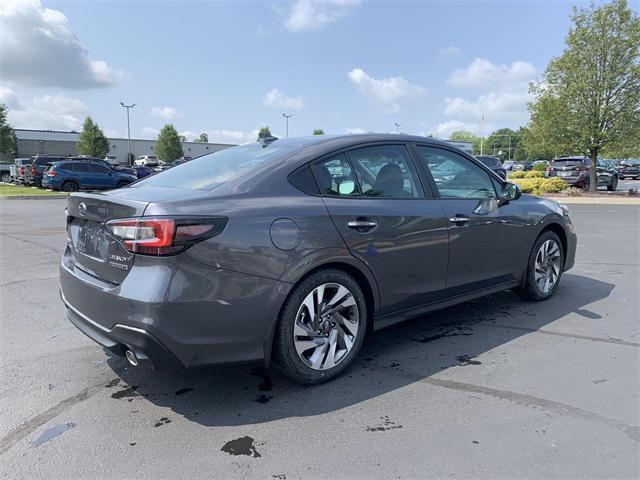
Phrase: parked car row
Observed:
(71, 173)
(575, 172)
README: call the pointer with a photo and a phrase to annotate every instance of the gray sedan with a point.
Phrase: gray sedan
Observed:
(294, 250)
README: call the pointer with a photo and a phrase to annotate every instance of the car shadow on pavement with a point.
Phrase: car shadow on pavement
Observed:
(390, 359)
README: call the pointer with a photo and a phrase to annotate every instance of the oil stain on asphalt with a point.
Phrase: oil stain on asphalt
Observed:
(241, 446)
(385, 424)
(162, 421)
(52, 432)
(126, 392)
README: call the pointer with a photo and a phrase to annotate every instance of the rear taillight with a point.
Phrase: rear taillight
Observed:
(34, 170)
(52, 173)
(164, 236)
(22, 170)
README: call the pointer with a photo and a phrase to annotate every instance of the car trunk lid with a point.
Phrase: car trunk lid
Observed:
(95, 250)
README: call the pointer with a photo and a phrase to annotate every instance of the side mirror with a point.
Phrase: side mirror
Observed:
(510, 192)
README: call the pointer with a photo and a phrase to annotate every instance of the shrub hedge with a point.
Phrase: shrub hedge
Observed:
(517, 174)
(534, 174)
(539, 186)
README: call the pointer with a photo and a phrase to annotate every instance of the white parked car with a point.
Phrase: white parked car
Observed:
(112, 159)
(143, 160)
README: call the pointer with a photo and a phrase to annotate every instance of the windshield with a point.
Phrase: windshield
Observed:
(211, 171)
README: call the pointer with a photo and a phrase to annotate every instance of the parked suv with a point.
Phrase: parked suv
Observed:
(146, 160)
(73, 175)
(494, 164)
(575, 171)
(33, 173)
(295, 249)
(629, 168)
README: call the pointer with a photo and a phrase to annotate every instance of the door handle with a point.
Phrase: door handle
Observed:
(459, 220)
(362, 225)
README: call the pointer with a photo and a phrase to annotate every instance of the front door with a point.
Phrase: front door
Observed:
(376, 202)
(485, 238)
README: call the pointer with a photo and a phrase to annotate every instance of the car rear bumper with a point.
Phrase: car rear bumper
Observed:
(172, 312)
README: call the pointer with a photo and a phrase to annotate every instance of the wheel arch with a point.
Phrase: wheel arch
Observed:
(562, 235)
(350, 265)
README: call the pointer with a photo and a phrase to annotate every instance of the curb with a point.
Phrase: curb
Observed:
(597, 201)
(32, 197)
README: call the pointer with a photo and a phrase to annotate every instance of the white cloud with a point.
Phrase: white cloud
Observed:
(481, 73)
(10, 99)
(168, 113)
(315, 14)
(50, 112)
(443, 130)
(276, 99)
(232, 136)
(150, 132)
(450, 51)
(496, 106)
(354, 130)
(387, 93)
(39, 49)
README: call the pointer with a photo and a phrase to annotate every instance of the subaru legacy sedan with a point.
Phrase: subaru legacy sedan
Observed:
(295, 250)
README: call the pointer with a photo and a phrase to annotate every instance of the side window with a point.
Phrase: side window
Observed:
(80, 167)
(386, 171)
(94, 167)
(334, 177)
(456, 176)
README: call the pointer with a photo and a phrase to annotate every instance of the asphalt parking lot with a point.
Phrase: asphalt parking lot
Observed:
(495, 388)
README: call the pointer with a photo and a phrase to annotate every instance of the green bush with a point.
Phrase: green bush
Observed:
(539, 167)
(534, 174)
(539, 186)
(518, 174)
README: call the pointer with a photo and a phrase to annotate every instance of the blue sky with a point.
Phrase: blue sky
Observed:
(227, 68)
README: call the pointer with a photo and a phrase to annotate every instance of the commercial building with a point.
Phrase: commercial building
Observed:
(33, 142)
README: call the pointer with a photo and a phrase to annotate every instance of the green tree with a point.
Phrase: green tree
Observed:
(8, 140)
(589, 98)
(264, 132)
(464, 136)
(168, 147)
(92, 141)
(502, 143)
(182, 138)
(318, 131)
(203, 138)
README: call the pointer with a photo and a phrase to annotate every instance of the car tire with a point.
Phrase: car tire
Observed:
(122, 184)
(313, 355)
(70, 187)
(6, 178)
(546, 247)
(613, 186)
(621, 177)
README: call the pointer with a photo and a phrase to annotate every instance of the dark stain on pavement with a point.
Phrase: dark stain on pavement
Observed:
(385, 424)
(241, 446)
(162, 421)
(465, 360)
(266, 384)
(126, 393)
(182, 391)
(264, 398)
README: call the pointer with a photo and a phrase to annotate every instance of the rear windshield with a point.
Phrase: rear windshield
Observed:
(568, 161)
(211, 171)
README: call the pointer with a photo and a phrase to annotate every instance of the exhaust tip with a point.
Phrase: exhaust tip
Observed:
(131, 358)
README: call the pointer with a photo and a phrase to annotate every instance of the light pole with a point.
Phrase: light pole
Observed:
(286, 124)
(397, 127)
(128, 130)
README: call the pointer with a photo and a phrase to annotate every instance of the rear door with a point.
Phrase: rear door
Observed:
(485, 239)
(377, 203)
(101, 176)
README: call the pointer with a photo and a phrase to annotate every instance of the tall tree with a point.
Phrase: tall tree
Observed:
(264, 132)
(464, 136)
(318, 131)
(92, 141)
(589, 98)
(168, 147)
(203, 138)
(8, 140)
(502, 143)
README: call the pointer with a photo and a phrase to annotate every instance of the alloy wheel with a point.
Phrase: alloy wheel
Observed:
(326, 326)
(547, 266)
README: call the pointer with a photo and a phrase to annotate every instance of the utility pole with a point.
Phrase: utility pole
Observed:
(128, 130)
(286, 123)
(397, 127)
(481, 133)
